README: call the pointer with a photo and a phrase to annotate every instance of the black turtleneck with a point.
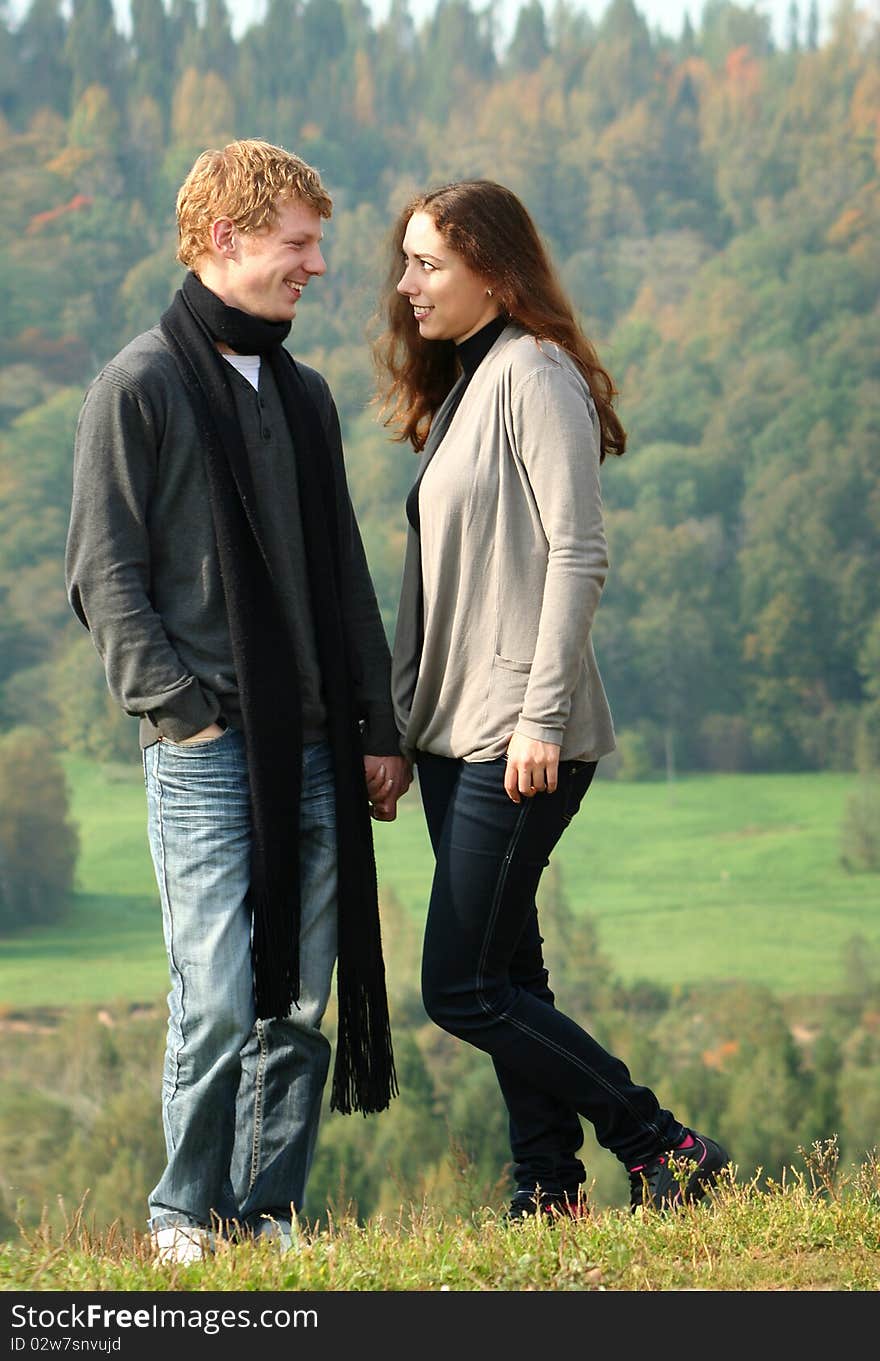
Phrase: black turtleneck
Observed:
(471, 353)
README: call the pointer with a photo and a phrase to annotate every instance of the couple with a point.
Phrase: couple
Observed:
(214, 555)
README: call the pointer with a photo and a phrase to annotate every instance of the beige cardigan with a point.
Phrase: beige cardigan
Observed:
(510, 563)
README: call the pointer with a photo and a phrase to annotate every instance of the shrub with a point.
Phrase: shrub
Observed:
(632, 759)
(38, 842)
(829, 739)
(724, 743)
(860, 832)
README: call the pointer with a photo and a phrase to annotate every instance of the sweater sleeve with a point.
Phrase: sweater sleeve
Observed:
(557, 443)
(368, 645)
(107, 564)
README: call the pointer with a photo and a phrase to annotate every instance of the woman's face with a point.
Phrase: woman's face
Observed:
(449, 301)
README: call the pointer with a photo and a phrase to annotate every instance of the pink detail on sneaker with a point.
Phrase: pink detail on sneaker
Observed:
(687, 1142)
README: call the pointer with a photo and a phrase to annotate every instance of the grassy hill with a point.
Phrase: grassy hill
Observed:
(817, 1230)
(714, 877)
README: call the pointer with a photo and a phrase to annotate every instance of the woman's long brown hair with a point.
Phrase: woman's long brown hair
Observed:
(488, 226)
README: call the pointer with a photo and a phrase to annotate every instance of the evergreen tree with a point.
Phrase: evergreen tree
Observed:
(394, 65)
(9, 68)
(271, 74)
(620, 68)
(688, 40)
(529, 45)
(457, 52)
(323, 36)
(151, 51)
(93, 47)
(726, 26)
(183, 33)
(45, 75)
(217, 50)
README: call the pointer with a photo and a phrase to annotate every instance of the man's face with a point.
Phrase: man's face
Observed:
(270, 268)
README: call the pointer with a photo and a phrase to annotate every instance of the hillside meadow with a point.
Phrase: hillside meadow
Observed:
(712, 877)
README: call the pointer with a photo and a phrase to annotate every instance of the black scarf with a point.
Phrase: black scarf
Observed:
(268, 682)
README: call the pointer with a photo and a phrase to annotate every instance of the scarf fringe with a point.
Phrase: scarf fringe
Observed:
(364, 1078)
(274, 960)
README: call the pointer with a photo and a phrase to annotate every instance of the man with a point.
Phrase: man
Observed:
(214, 555)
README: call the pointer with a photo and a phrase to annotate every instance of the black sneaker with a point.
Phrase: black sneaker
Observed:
(656, 1185)
(553, 1205)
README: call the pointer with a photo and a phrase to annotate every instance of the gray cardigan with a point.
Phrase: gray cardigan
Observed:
(500, 588)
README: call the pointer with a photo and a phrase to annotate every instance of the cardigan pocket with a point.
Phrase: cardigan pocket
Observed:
(507, 690)
(505, 664)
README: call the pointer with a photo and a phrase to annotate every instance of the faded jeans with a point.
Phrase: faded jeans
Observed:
(241, 1097)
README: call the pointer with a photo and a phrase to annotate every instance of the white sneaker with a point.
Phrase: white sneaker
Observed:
(180, 1243)
(279, 1232)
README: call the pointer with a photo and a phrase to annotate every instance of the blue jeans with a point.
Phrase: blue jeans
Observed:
(241, 1097)
(483, 975)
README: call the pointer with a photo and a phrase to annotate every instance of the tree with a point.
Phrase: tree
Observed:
(38, 840)
(456, 51)
(10, 75)
(202, 113)
(323, 32)
(45, 76)
(579, 971)
(529, 45)
(93, 48)
(621, 66)
(152, 52)
(183, 34)
(726, 26)
(217, 45)
(35, 480)
(272, 76)
(661, 624)
(89, 721)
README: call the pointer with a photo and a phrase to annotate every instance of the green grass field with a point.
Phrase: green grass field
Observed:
(715, 877)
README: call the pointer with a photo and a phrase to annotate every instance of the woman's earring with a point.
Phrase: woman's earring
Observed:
(489, 291)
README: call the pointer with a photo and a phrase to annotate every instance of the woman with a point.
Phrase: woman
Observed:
(486, 372)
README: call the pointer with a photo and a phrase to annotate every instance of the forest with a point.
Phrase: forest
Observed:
(712, 202)
(712, 206)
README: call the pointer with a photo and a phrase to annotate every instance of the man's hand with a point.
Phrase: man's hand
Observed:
(532, 767)
(388, 779)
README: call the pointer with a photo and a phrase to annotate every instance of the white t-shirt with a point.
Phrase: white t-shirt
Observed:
(248, 366)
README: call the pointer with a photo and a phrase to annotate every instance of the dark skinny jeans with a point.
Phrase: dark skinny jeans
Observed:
(483, 975)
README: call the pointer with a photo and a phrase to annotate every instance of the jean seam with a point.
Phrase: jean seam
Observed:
(259, 1091)
(172, 961)
(496, 902)
(506, 1015)
(584, 1067)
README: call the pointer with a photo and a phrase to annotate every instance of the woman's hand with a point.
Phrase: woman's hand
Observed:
(532, 767)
